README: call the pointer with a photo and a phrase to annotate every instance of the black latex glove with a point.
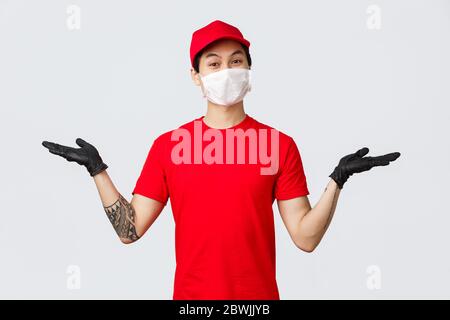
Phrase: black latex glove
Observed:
(356, 162)
(87, 155)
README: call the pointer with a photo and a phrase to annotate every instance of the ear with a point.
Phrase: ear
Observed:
(195, 77)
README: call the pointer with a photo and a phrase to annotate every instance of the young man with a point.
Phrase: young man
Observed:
(222, 172)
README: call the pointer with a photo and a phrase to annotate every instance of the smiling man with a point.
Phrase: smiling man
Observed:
(222, 206)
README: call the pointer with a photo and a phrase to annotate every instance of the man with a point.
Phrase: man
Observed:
(222, 173)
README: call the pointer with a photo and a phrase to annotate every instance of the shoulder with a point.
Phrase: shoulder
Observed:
(284, 138)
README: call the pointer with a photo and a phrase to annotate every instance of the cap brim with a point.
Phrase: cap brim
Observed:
(231, 37)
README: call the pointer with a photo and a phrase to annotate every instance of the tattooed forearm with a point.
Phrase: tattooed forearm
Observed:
(122, 217)
(333, 208)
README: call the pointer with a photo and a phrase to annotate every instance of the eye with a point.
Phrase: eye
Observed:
(237, 60)
(213, 64)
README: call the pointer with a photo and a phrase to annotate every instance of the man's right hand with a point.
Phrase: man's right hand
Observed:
(87, 155)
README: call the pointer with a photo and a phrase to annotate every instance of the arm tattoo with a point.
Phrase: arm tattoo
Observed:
(122, 216)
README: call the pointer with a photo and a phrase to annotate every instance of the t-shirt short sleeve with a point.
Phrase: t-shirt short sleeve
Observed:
(152, 180)
(291, 181)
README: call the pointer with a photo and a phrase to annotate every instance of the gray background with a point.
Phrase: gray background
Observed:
(319, 74)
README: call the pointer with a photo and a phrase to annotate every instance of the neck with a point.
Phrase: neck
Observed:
(220, 117)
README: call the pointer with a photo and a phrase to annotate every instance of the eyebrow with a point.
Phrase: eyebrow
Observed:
(215, 54)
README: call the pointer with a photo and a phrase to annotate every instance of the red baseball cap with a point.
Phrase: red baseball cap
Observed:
(214, 31)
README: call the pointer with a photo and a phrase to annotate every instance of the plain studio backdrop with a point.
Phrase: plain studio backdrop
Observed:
(335, 75)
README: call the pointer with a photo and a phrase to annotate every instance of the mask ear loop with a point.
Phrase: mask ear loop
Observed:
(202, 87)
(249, 80)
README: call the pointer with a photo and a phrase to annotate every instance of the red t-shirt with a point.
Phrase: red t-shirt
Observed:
(224, 223)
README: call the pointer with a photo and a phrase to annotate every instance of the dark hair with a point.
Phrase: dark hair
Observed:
(199, 54)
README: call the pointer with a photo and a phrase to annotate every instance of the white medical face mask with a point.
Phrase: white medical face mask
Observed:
(226, 87)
